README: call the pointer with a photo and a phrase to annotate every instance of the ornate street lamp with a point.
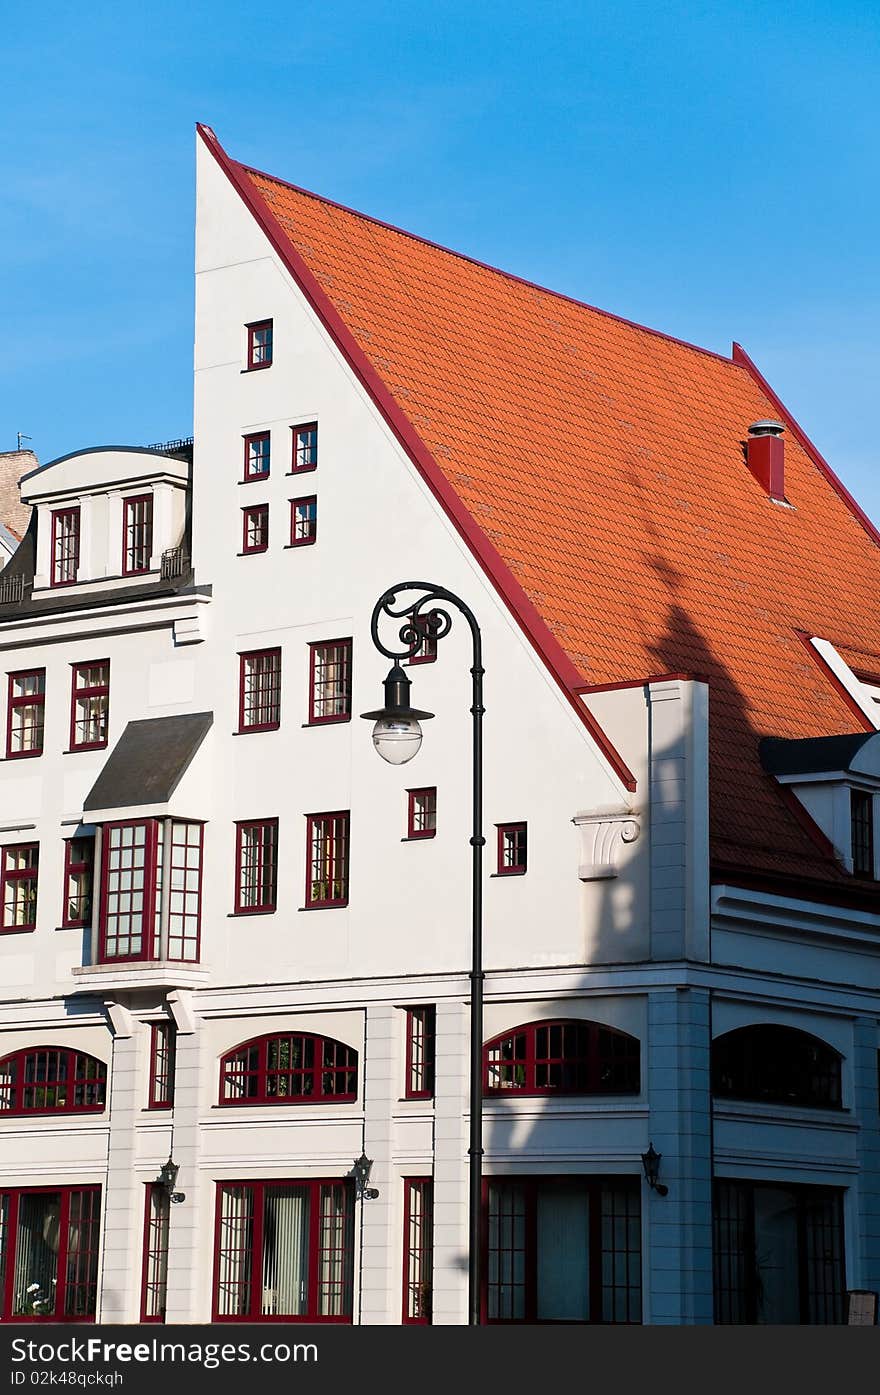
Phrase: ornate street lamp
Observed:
(397, 736)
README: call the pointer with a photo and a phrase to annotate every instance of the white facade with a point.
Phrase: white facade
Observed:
(614, 921)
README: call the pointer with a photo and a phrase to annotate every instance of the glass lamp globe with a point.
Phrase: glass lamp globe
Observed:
(397, 739)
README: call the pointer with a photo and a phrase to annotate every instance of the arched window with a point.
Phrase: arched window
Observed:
(562, 1058)
(778, 1065)
(297, 1068)
(51, 1080)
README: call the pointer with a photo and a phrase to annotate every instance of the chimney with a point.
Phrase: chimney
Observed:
(765, 457)
(14, 464)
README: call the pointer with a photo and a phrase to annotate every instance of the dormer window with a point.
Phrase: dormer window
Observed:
(861, 805)
(259, 349)
(137, 534)
(65, 546)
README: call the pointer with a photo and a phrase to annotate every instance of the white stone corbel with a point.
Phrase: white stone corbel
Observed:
(603, 835)
(180, 1006)
(120, 1018)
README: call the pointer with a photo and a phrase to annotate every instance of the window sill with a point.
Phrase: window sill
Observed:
(253, 551)
(22, 755)
(419, 837)
(514, 872)
(327, 721)
(17, 929)
(257, 367)
(306, 542)
(76, 750)
(255, 479)
(81, 925)
(303, 470)
(325, 906)
(251, 910)
(255, 731)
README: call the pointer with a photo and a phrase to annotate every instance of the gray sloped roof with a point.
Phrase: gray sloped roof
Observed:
(148, 761)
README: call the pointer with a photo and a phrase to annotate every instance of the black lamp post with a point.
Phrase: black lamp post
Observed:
(397, 737)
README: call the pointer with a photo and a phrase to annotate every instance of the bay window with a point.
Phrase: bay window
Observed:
(138, 921)
(49, 1253)
(563, 1250)
(284, 1251)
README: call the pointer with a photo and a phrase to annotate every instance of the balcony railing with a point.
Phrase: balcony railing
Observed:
(11, 588)
(174, 563)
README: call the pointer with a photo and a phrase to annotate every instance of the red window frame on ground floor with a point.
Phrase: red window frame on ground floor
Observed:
(88, 1221)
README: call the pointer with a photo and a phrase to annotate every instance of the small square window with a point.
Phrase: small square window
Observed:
(303, 521)
(426, 650)
(259, 351)
(305, 448)
(256, 456)
(255, 537)
(422, 816)
(512, 848)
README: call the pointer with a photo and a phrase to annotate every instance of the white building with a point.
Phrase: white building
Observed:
(269, 977)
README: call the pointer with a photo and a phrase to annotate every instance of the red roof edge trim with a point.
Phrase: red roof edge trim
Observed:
(585, 688)
(740, 356)
(546, 645)
(806, 639)
(486, 266)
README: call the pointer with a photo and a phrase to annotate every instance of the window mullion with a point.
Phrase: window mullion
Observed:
(259, 1203)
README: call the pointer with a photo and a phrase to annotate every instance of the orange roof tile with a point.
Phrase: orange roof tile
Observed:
(605, 463)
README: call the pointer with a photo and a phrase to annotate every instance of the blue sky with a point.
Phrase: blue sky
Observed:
(710, 169)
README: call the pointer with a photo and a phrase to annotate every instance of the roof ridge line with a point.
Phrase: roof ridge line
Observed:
(487, 266)
(522, 609)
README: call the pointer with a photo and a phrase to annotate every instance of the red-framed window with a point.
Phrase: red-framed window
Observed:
(18, 886)
(294, 1068)
(330, 681)
(137, 534)
(259, 690)
(49, 1266)
(513, 846)
(65, 546)
(421, 818)
(255, 528)
(256, 866)
(776, 1064)
(79, 859)
(25, 713)
(303, 521)
(562, 1249)
(418, 1249)
(259, 344)
(89, 705)
(136, 922)
(305, 448)
(284, 1251)
(327, 842)
(421, 1032)
(425, 651)
(163, 1059)
(562, 1058)
(52, 1080)
(257, 456)
(154, 1274)
(861, 805)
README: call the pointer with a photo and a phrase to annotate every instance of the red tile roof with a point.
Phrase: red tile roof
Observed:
(605, 463)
